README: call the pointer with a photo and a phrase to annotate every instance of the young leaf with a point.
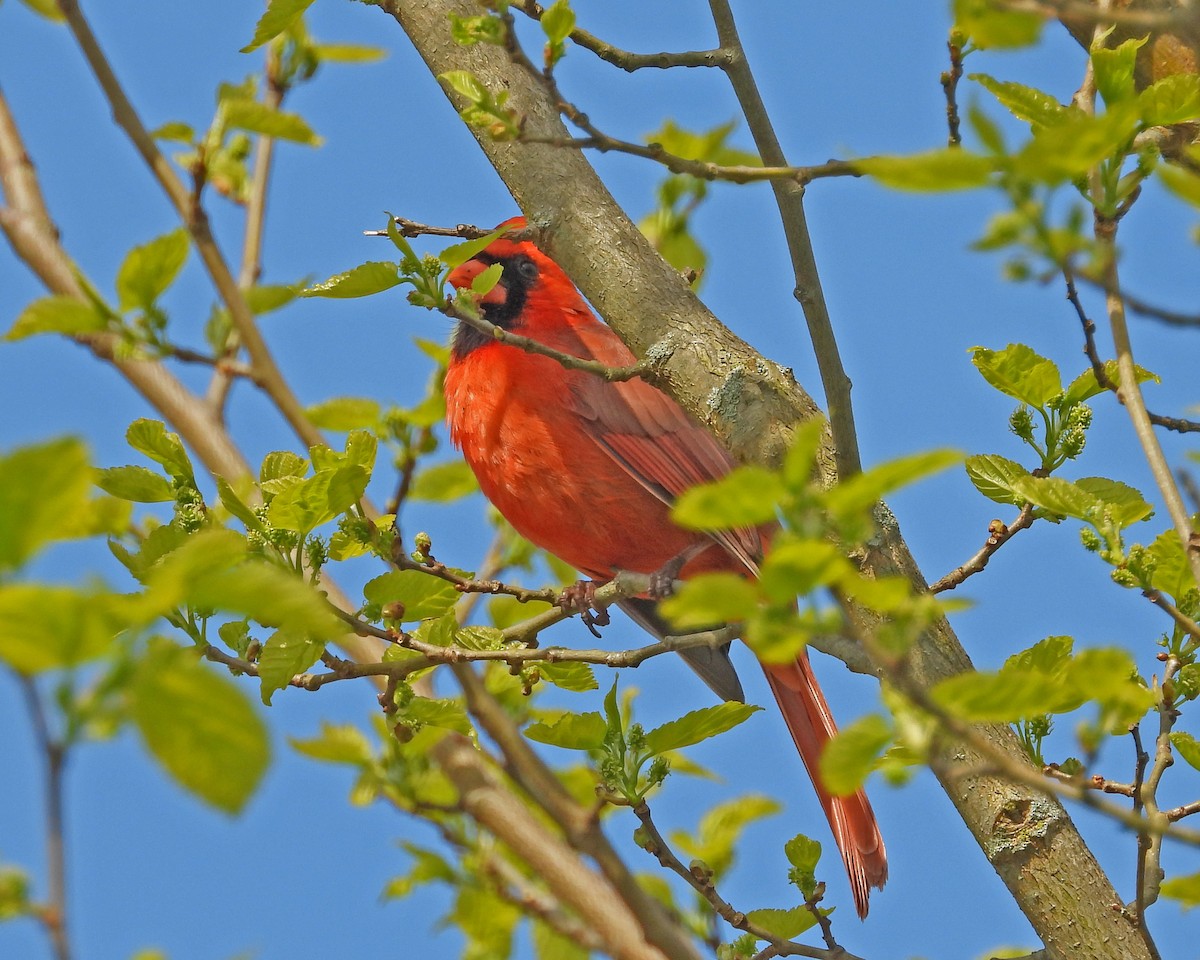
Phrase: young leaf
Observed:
(36, 513)
(457, 254)
(745, 497)
(148, 270)
(937, 170)
(283, 656)
(444, 482)
(337, 743)
(795, 567)
(576, 677)
(1057, 496)
(1174, 99)
(784, 924)
(994, 476)
(710, 599)
(863, 490)
(445, 714)
(994, 28)
(851, 756)
(244, 114)
(1025, 103)
(1187, 747)
(1184, 889)
(150, 437)
(423, 595)
(571, 731)
(720, 830)
(698, 725)
(135, 483)
(199, 726)
(1004, 697)
(280, 15)
(362, 281)
(344, 414)
(52, 628)
(1113, 69)
(57, 315)
(1120, 501)
(1019, 372)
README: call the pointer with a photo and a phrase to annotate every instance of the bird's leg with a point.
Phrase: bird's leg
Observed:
(662, 580)
(581, 598)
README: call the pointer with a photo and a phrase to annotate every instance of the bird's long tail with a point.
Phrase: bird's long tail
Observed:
(853, 821)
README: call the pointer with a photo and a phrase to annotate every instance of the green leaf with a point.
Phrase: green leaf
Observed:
(363, 281)
(43, 488)
(347, 53)
(1187, 747)
(280, 15)
(466, 84)
(576, 677)
(135, 483)
(710, 600)
(423, 595)
(784, 924)
(1073, 147)
(1172, 572)
(66, 315)
(199, 726)
(457, 254)
(444, 482)
(150, 269)
(1006, 696)
(283, 656)
(468, 31)
(850, 757)
(1019, 372)
(803, 853)
(214, 570)
(697, 726)
(305, 505)
(259, 118)
(1123, 504)
(282, 463)
(344, 413)
(150, 437)
(549, 944)
(445, 714)
(1025, 103)
(1085, 386)
(745, 497)
(337, 743)
(1174, 99)
(1058, 496)
(236, 506)
(721, 829)
(995, 477)
(486, 281)
(51, 628)
(558, 21)
(46, 8)
(936, 170)
(1113, 69)
(1184, 889)
(1182, 183)
(992, 27)
(1049, 656)
(176, 131)
(862, 491)
(794, 567)
(571, 731)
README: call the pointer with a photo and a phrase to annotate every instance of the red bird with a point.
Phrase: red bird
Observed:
(588, 470)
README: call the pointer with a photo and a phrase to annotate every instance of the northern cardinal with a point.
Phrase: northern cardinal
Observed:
(588, 470)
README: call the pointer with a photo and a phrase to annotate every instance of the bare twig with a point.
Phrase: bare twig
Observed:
(653, 842)
(789, 197)
(1184, 622)
(625, 59)
(998, 536)
(52, 914)
(950, 80)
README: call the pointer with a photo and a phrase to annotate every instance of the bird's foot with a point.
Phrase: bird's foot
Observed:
(580, 597)
(662, 580)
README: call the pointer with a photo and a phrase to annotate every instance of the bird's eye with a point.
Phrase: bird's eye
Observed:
(527, 269)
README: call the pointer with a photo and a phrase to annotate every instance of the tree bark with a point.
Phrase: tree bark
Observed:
(751, 403)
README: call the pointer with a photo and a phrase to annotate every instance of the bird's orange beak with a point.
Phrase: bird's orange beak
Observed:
(462, 276)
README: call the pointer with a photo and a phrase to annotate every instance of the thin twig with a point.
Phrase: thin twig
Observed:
(998, 536)
(789, 197)
(653, 842)
(52, 914)
(950, 80)
(1184, 622)
(196, 220)
(625, 59)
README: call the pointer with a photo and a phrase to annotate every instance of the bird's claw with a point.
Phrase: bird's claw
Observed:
(580, 597)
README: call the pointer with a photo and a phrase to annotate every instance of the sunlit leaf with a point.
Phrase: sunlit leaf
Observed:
(572, 731)
(283, 656)
(199, 725)
(344, 413)
(421, 594)
(336, 743)
(745, 497)
(849, 758)
(784, 924)
(57, 314)
(150, 269)
(697, 726)
(1019, 372)
(46, 627)
(43, 489)
(444, 482)
(710, 599)
(280, 15)
(937, 170)
(1174, 99)
(151, 437)
(994, 476)
(262, 119)
(1026, 103)
(135, 483)
(362, 281)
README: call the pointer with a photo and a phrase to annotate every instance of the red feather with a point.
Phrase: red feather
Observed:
(588, 469)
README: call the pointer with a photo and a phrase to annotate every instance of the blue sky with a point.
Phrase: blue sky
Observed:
(299, 874)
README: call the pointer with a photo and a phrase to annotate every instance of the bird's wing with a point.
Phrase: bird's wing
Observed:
(650, 435)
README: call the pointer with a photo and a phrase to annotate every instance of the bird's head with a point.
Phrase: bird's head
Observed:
(532, 291)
